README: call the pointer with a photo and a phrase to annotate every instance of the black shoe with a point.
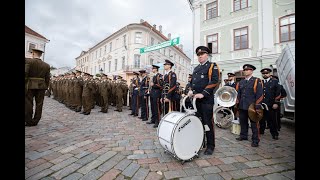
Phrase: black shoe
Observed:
(82, 112)
(254, 145)
(144, 119)
(155, 126)
(131, 114)
(275, 137)
(208, 151)
(116, 110)
(86, 113)
(78, 110)
(241, 139)
(140, 117)
(135, 115)
(150, 122)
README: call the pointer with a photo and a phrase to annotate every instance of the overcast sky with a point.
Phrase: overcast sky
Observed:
(76, 25)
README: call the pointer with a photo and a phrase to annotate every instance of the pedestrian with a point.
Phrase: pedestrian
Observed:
(38, 78)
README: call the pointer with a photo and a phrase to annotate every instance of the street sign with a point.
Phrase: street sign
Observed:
(172, 42)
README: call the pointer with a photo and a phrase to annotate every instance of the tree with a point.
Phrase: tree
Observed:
(52, 68)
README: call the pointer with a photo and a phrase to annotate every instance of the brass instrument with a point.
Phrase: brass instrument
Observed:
(225, 97)
(166, 89)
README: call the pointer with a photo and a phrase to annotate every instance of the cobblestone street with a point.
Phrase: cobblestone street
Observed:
(69, 145)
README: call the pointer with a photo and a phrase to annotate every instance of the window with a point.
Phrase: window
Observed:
(241, 38)
(239, 4)
(138, 37)
(104, 67)
(151, 61)
(31, 46)
(110, 47)
(115, 64)
(287, 28)
(213, 39)
(123, 62)
(109, 66)
(124, 40)
(105, 49)
(100, 52)
(136, 60)
(212, 10)
(152, 41)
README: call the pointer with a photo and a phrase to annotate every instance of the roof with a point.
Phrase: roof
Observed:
(32, 32)
(146, 24)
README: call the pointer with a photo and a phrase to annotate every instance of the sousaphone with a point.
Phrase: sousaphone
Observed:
(225, 97)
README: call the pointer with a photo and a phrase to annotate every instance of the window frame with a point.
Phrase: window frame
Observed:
(30, 49)
(216, 1)
(216, 34)
(135, 37)
(289, 31)
(137, 64)
(234, 9)
(234, 38)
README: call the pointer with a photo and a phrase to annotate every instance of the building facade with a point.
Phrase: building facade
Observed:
(119, 54)
(243, 31)
(34, 40)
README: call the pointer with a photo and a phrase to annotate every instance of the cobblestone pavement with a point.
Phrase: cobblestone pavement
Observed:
(69, 145)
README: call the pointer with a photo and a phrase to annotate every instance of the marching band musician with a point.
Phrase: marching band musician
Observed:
(188, 102)
(231, 83)
(155, 95)
(170, 81)
(144, 96)
(205, 78)
(271, 97)
(249, 91)
(135, 95)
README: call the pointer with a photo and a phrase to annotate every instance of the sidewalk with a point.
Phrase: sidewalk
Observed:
(69, 145)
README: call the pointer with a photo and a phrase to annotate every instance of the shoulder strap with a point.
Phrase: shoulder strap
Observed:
(237, 86)
(255, 84)
(210, 71)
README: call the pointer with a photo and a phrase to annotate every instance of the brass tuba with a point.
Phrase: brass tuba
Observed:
(225, 97)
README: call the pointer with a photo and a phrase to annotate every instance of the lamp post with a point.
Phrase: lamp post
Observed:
(101, 71)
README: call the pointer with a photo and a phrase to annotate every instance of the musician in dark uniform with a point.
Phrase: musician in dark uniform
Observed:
(155, 95)
(271, 97)
(135, 94)
(188, 102)
(205, 78)
(144, 95)
(249, 91)
(231, 82)
(169, 85)
(283, 94)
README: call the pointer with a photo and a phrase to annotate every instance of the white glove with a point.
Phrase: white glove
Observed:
(190, 93)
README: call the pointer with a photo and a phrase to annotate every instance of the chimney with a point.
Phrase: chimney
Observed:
(169, 36)
(141, 20)
(160, 29)
(154, 26)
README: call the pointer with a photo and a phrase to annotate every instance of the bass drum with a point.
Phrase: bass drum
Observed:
(181, 134)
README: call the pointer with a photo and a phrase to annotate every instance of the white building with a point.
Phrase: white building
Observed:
(58, 71)
(119, 54)
(243, 31)
(34, 40)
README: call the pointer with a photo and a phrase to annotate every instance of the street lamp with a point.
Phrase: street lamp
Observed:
(101, 71)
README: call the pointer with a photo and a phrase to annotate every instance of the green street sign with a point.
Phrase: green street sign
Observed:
(172, 42)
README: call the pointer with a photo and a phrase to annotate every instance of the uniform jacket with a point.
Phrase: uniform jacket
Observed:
(231, 85)
(201, 84)
(157, 85)
(38, 76)
(171, 80)
(144, 86)
(271, 92)
(246, 94)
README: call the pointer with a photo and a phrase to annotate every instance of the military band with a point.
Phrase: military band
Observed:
(152, 96)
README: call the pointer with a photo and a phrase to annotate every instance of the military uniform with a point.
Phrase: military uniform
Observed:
(38, 77)
(155, 96)
(104, 93)
(271, 96)
(247, 96)
(169, 82)
(135, 96)
(205, 83)
(231, 84)
(144, 96)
